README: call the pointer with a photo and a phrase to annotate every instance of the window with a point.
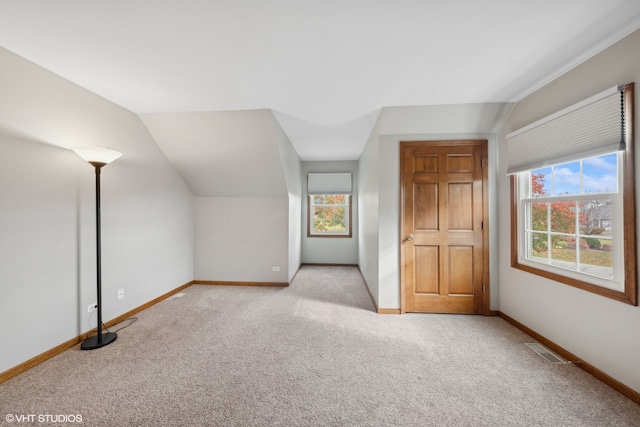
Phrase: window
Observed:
(329, 205)
(330, 215)
(573, 220)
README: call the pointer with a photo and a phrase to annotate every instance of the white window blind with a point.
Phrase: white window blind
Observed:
(591, 127)
(329, 183)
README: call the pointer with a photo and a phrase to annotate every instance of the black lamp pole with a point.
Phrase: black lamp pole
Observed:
(101, 339)
(98, 157)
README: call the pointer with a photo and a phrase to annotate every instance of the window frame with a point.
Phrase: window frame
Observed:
(310, 219)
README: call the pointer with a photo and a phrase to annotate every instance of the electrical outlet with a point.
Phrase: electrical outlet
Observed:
(92, 307)
(120, 293)
(276, 268)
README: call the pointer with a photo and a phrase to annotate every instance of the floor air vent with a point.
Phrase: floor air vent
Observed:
(178, 295)
(545, 352)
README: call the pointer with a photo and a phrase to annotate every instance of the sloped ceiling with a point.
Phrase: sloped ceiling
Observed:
(324, 68)
(218, 154)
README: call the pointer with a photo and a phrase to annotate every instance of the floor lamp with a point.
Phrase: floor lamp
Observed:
(98, 157)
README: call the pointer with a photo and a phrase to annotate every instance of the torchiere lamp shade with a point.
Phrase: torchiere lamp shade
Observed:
(99, 155)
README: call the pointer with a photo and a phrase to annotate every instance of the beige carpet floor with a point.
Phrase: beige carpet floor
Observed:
(312, 354)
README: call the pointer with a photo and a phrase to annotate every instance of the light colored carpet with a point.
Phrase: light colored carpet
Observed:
(313, 354)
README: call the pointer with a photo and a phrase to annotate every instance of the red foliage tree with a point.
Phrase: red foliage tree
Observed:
(562, 214)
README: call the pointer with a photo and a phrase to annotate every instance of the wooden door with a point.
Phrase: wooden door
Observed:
(443, 258)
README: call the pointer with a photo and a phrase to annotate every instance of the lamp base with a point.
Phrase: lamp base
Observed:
(93, 343)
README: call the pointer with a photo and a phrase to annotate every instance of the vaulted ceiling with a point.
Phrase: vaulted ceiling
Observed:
(324, 68)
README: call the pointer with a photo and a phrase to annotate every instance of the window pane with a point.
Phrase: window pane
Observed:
(338, 219)
(329, 199)
(539, 247)
(540, 182)
(596, 224)
(329, 219)
(600, 174)
(563, 253)
(338, 199)
(596, 256)
(539, 216)
(566, 179)
(322, 219)
(595, 217)
(563, 217)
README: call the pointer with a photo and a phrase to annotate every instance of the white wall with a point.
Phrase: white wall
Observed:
(47, 212)
(241, 239)
(369, 208)
(292, 167)
(39, 249)
(599, 330)
(324, 250)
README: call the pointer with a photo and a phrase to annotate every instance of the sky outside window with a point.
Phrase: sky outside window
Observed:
(599, 175)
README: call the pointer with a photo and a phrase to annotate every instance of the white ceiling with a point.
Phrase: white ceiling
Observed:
(325, 68)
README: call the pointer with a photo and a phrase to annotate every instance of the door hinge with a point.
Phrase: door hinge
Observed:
(484, 163)
(483, 287)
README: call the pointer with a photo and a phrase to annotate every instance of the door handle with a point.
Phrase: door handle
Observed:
(410, 237)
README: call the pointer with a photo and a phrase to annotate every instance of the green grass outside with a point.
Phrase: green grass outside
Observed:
(588, 256)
